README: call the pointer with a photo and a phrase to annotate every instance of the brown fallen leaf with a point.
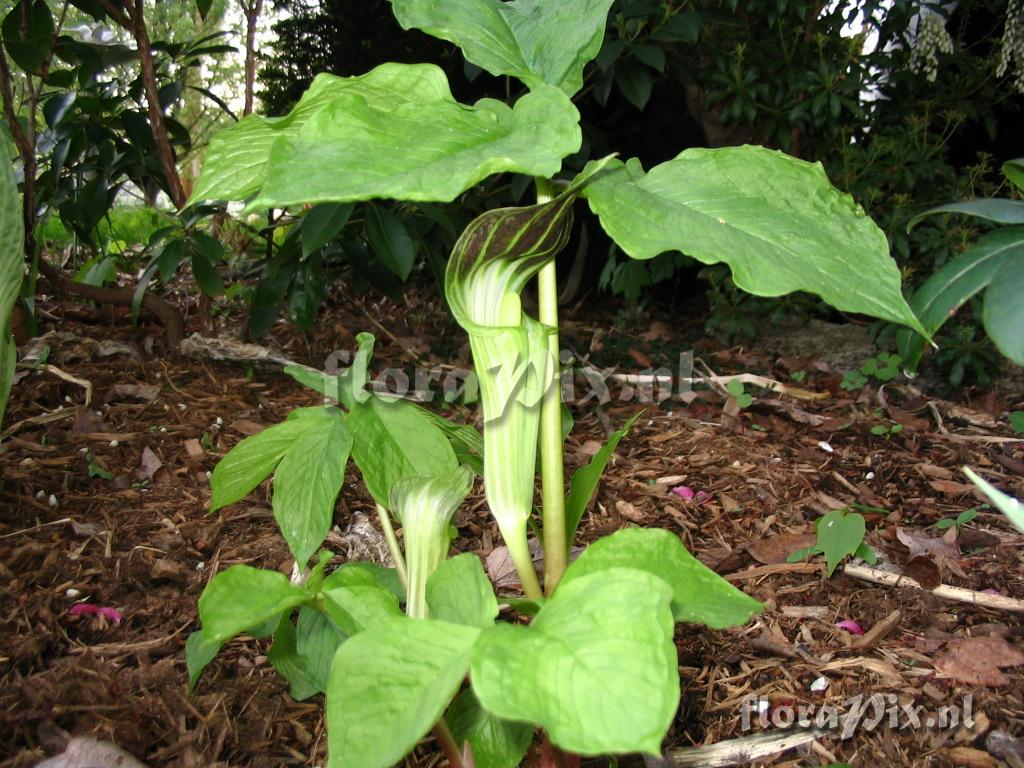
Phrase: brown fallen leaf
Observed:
(978, 660)
(194, 448)
(775, 549)
(630, 512)
(920, 543)
(951, 488)
(924, 571)
(501, 569)
(971, 539)
(247, 428)
(930, 470)
(147, 393)
(149, 463)
(968, 757)
(729, 504)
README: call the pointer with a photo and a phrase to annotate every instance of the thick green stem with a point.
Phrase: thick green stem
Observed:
(551, 461)
(519, 551)
(392, 540)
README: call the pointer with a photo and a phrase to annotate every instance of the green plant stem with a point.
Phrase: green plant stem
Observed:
(519, 551)
(392, 540)
(551, 461)
(447, 742)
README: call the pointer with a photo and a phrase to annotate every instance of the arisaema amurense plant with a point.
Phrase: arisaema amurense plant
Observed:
(588, 659)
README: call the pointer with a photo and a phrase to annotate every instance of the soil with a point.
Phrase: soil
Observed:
(106, 502)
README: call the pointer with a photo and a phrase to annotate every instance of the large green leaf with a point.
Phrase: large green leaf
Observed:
(459, 592)
(393, 439)
(1004, 309)
(775, 220)
(496, 743)
(537, 41)
(251, 461)
(316, 641)
(395, 132)
(698, 594)
(389, 685)
(596, 668)
(999, 210)
(585, 479)
(942, 294)
(11, 261)
(357, 607)
(243, 597)
(307, 482)
(284, 657)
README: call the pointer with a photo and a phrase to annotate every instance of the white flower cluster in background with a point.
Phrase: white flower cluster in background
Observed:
(932, 39)
(1013, 45)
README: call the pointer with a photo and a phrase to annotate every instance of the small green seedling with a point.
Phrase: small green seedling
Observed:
(798, 376)
(840, 535)
(1017, 421)
(884, 367)
(886, 430)
(957, 522)
(853, 380)
(739, 393)
(95, 468)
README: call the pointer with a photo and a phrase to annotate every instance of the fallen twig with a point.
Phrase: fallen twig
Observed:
(62, 521)
(744, 750)
(983, 599)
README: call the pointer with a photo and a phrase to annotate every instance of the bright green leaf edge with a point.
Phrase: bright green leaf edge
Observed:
(776, 221)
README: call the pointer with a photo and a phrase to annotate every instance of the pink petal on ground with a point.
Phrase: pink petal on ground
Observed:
(850, 626)
(88, 609)
(702, 496)
(684, 492)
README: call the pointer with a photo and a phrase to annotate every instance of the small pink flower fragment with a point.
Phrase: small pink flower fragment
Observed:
(88, 609)
(688, 494)
(850, 626)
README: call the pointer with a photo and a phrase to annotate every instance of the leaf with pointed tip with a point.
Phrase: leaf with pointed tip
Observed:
(1004, 310)
(596, 668)
(537, 41)
(242, 597)
(698, 594)
(955, 282)
(12, 259)
(251, 461)
(1014, 171)
(389, 685)
(307, 483)
(775, 220)
(585, 479)
(396, 132)
(991, 209)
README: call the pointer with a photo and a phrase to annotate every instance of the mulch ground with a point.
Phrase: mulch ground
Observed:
(105, 504)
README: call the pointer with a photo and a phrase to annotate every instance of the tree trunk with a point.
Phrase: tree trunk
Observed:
(252, 15)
